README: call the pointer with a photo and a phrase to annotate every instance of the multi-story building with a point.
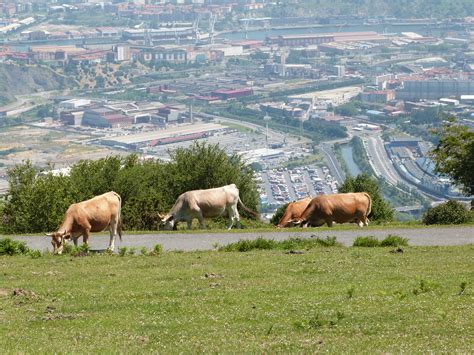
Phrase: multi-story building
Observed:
(435, 89)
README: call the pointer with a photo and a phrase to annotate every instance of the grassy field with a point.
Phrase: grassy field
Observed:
(327, 299)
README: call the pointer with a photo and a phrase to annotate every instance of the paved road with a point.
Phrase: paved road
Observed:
(440, 236)
(380, 161)
(333, 164)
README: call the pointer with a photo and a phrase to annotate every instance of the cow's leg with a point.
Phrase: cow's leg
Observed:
(231, 216)
(85, 237)
(366, 221)
(190, 223)
(112, 232)
(329, 222)
(75, 238)
(360, 223)
(236, 216)
(113, 229)
(202, 223)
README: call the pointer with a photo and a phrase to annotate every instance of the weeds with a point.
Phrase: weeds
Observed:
(144, 251)
(67, 248)
(35, 254)
(372, 242)
(350, 292)
(131, 251)
(122, 251)
(12, 247)
(394, 241)
(462, 287)
(157, 249)
(319, 321)
(368, 242)
(424, 287)
(289, 244)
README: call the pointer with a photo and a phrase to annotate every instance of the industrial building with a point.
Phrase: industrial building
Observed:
(434, 89)
(164, 136)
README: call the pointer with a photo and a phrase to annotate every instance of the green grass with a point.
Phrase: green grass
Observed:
(327, 299)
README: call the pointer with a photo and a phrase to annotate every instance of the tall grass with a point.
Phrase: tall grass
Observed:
(372, 242)
(289, 244)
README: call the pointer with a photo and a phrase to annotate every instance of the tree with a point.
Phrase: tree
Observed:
(381, 209)
(454, 154)
(278, 214)
(204, 166)
(349, 109)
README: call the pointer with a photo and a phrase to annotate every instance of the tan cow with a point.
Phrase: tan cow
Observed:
(203, 204)
(292, 212)
(88, 216)
(339, 208)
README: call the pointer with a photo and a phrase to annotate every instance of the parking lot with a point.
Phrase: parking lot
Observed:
(279, 186)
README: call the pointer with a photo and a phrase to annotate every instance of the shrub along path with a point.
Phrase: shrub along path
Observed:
(202, 240)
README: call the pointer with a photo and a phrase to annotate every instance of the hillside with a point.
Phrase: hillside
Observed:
(392, 8)
(22, 79)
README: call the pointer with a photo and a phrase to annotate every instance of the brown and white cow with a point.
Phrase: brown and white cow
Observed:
(293, 212)
(339, 208)
(203, 204)
(89, 216)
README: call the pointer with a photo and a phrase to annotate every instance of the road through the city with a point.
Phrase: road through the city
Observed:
(380, 161)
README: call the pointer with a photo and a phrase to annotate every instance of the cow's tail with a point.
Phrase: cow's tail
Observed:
(248, 210)
(369, 208)
(119, 216)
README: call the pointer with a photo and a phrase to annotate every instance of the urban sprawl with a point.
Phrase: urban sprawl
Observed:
(307, 101)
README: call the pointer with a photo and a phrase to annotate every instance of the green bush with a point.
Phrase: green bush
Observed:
(13, 247)
(394, 241)
(36, 202)
(451, 212)
(369, 241)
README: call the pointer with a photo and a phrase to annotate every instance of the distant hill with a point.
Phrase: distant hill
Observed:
(23, 79)
(391, 8)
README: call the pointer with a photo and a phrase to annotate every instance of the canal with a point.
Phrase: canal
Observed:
(346, 151)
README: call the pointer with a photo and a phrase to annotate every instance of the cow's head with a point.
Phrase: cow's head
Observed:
(167, 223)
(58, 240)
(296, 223)
(286, 224)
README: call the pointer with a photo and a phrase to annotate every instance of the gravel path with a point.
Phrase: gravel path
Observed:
(436, 236)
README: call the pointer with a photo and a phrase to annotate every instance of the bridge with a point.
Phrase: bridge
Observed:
(409, 208)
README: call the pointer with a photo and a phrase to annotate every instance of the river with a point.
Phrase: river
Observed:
(261, 34)
(346, 151)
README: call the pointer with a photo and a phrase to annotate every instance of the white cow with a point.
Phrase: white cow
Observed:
(203, 204)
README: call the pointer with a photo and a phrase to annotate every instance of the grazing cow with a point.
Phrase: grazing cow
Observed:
(202, 204)
(339, 208)
(93, 215)
(292, 212)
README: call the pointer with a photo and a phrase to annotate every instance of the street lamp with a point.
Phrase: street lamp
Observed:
(266, 118)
